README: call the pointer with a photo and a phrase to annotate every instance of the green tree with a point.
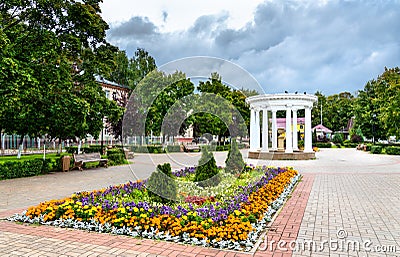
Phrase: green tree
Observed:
(234, 162)
(207, 173)
(377, 105)
(337, 110)
(50, 53)
(161, 184)
(141, 64)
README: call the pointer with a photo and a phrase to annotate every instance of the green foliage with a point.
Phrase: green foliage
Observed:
(338, 138)
(350, 144)
(50, 53)
(173, 148)
(377, 105)
(234, 162)
(116, 156)
(375, 149)
(148, 149)
(161, 185)
(393, 150)
(207, 173)
(27, 168)
(323, 145)
(337, 109)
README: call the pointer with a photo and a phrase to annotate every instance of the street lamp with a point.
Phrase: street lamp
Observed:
(373, 127)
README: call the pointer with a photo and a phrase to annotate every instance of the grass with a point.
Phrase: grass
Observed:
(29, 157)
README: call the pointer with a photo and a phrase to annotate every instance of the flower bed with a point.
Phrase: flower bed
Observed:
(230, 215)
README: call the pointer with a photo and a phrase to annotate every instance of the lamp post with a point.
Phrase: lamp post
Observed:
(373, 127)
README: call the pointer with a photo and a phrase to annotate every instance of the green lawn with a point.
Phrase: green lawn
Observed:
(29, 157)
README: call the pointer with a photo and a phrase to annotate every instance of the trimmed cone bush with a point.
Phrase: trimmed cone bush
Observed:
(207, 173)
(234, 162)
(161, 185)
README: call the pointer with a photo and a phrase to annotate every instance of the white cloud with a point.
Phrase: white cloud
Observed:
(287, 45)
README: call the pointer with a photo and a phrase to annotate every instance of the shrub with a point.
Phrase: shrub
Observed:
(323, 145)
(234, 162)
(116, 156)
(147, 149)
(393, 150)
(207, 173)
(173, 148)
(356, 139)
(86, 149)
(161, 185)
(350, 145)
(337, 138)
(19, 169)
(375, 149)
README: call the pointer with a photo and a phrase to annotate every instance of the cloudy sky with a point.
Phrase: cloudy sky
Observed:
(293, 45)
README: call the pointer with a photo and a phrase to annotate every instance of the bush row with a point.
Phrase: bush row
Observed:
(378, 149)
(27, 168)
(18, 169)
(323, 145)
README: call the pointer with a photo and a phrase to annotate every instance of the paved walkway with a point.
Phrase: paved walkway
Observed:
(346, 197)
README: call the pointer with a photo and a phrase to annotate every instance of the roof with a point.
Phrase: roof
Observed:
(322, 128)
(102, 80)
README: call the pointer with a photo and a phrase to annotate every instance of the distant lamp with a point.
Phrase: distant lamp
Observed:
(305, 93)
(286, 92)
(295, 92)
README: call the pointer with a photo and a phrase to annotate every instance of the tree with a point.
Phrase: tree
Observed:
(222, 121)
(141, 64)
(154, 96)
(161, 185)
(234, 162)
(337, 110)
(207, 173)
(377, 105)
(50, 53)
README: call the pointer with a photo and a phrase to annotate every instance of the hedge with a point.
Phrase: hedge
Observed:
(116, 156)
(323, 145)
(350, 145)
(393, 150)
(376, 149)
(19, 169)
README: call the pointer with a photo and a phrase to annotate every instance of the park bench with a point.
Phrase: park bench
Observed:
(81, 159)
(191, 148)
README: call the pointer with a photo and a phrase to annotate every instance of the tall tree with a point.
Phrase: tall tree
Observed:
(377, 105)
(50, 53)
(141, 64)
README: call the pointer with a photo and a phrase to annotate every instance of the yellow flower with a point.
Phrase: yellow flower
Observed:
(237, 212)
(135, 209)
(184, 217)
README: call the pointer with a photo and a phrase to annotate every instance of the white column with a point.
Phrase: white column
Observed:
(288, 132)
(307, 131)
(274, 132)
(257, 130)
(252, 130)
(265, 133)
(295, 144)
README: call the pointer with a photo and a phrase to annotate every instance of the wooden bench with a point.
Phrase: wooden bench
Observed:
(191, 148)
(81, 159)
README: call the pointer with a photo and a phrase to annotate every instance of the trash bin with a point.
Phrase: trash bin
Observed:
(65, 162)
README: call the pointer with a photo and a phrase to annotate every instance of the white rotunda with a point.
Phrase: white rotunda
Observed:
(291, 103)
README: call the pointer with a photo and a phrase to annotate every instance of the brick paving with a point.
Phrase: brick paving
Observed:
(344, 190)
